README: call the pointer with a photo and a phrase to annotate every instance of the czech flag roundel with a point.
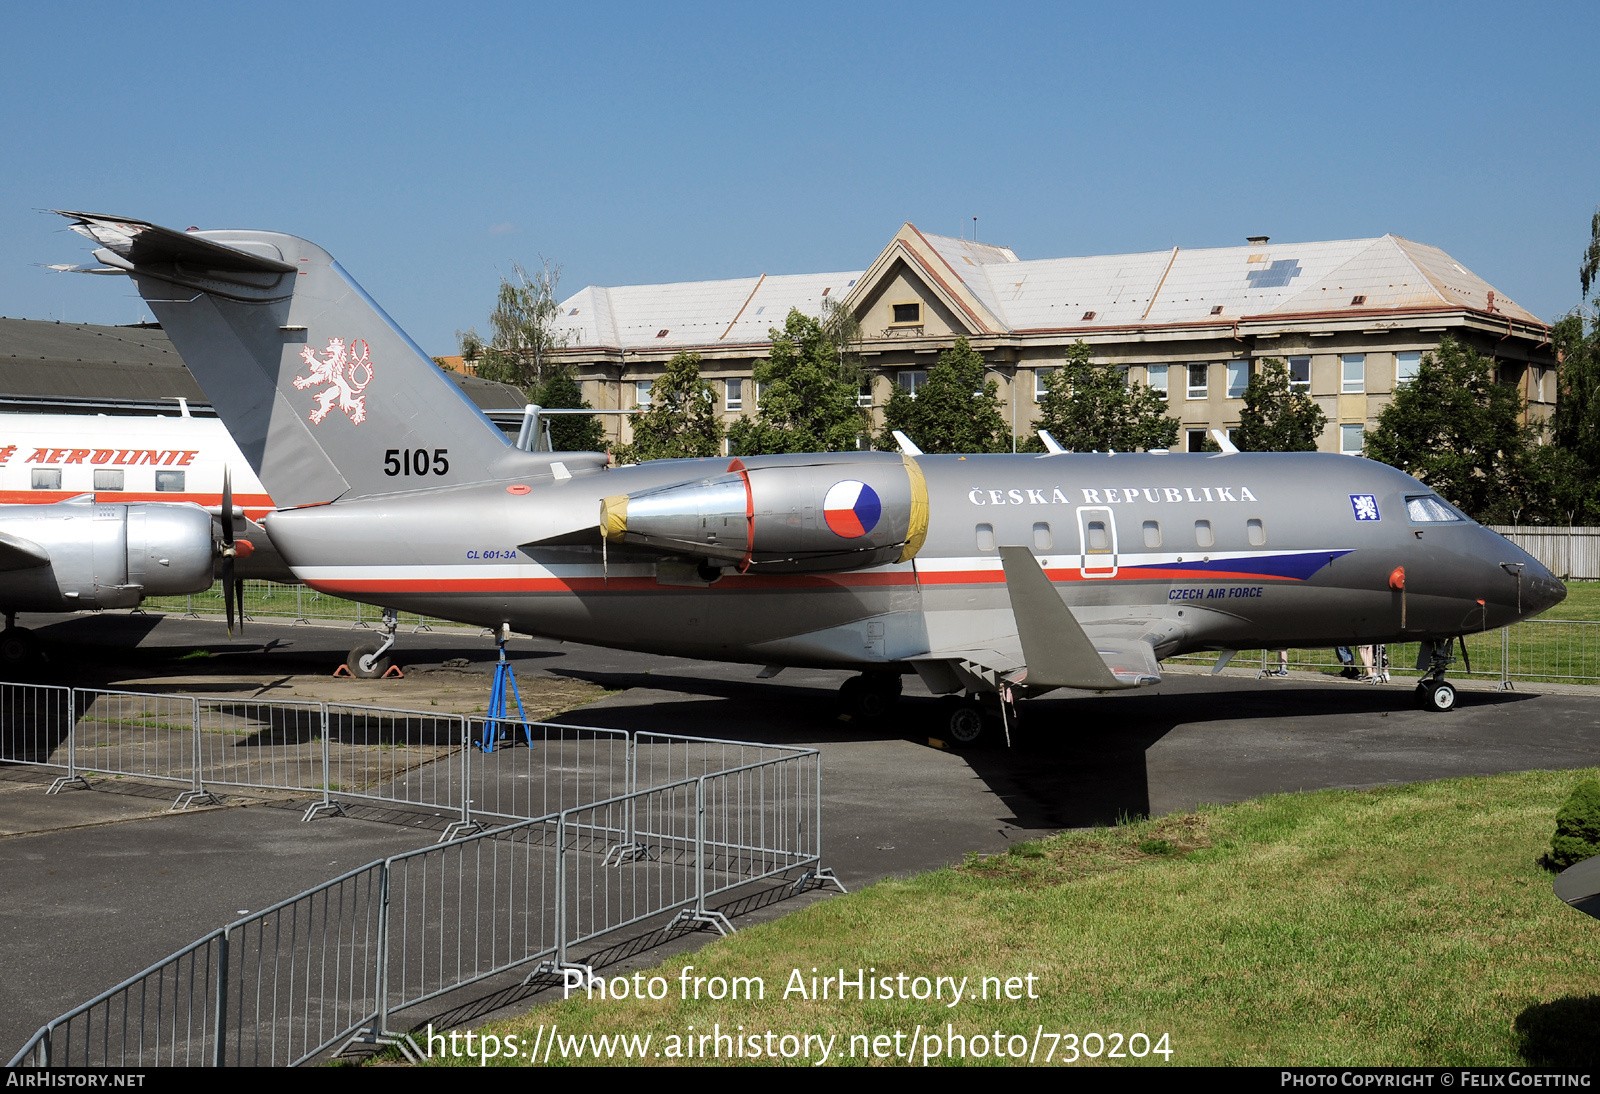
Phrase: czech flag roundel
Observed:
(851, 508)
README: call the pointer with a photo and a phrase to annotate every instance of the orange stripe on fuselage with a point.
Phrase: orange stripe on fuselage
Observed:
(253, 504)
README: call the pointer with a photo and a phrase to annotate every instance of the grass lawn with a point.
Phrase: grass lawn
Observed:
(1407, 925)
(1582, 602)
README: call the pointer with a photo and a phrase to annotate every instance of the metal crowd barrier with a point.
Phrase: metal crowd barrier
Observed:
(343, 753)
(1537, 649)
(330, 966)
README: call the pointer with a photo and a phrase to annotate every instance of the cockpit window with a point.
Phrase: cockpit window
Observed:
(1429, 509)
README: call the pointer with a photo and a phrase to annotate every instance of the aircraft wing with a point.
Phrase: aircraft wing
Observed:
(1130, 662)
(17, 553)
(1051, 649)
(1058, 651)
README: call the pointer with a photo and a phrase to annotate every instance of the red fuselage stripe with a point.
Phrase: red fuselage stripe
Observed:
(358, 586)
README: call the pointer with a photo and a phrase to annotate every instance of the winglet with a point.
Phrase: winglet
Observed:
(1221, 437)
(1051, 445)
(1056, 650)
(906, 447)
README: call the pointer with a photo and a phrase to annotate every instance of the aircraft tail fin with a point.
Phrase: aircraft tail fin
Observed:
(322, 391)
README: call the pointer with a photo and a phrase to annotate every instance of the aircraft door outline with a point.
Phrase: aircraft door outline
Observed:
(1097, 541)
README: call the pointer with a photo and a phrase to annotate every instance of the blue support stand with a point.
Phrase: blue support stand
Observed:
(501, 696)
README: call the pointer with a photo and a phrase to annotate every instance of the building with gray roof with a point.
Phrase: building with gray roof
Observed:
(1351, 317)
(83, 368)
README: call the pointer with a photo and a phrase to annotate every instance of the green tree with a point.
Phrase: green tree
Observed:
(808, 391)
(522, 329)
(1090, 408)
(1276, 418)
(1457, 430)
(682, 419)
(954, 410)
(568, 432)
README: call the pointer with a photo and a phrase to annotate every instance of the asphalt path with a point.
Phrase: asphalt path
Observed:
(99, 884)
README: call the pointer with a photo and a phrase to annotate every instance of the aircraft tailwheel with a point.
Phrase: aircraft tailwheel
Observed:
(966, 723)
(1436, 695)
(365, 664)
(18, 648)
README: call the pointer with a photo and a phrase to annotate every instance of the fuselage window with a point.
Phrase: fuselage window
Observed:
(1428, 508)
(1202, 533)
(1258, 534)
(47, 478)
(1042, 539)
(169, 482)
(107, 480)
(1152, 533)
(1098, 540)
(985, 537)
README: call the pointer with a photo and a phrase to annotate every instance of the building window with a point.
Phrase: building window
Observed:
(47, 478)
(1198, 387)
(1353, 373)
(1238, 378)
(1039, 377)
(1156, 377)
(907, 313)
(911, 379)
(734, 394)
(107, 480)
(1406, 366)
(1300, 374)
(864, 392)
(169, 482)
(1195, 440)
(641, 393)
(1352, 439)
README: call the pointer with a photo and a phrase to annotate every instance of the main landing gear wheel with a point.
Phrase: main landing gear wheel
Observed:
(19, 649)
(365, 664)
(1436, 695)
(966, 723)
(870, 696)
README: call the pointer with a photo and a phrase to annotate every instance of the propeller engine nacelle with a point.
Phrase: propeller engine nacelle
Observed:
(816, 517)
(98, 555)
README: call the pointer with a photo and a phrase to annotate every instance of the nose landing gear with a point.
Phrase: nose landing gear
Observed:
(369, 661)
(1433, 691)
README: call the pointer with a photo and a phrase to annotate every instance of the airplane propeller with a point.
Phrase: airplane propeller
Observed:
(232, 590)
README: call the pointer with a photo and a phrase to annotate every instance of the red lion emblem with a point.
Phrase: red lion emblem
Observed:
(337, 369)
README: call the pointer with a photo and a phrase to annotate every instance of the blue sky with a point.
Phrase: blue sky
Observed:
(431, 146)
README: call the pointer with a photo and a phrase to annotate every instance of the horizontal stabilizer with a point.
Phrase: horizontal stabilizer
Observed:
(144, 244)
(1055, 648)
(17, 553)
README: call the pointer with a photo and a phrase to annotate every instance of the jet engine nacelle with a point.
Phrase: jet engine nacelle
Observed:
(866, 509)
(82, 554)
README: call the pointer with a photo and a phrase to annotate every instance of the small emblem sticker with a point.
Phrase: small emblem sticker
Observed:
(338, 370)
(1365, 506)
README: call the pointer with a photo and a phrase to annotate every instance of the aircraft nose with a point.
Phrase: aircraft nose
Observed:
(1541, 590)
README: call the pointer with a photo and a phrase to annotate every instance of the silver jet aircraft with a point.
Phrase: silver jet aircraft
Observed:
(988, 576)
